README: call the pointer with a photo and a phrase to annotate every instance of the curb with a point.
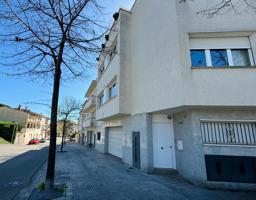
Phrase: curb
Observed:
(30, 179)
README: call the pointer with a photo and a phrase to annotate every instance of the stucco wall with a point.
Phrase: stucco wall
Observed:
(117, 69)
(187, 129)
(100, 143)
(138, 123)
(160, 75)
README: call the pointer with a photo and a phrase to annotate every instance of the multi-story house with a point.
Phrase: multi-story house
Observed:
(34, 125)
(175, 90)
(87, 121)
(45, 127)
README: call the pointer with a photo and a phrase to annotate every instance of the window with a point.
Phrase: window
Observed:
(101, 97)
(112, 91)
(110, 53)
(221, 52)
(219, 58)
(113, 52)
(106, 61)
(198, 58)
(98, 136)
(240, 57)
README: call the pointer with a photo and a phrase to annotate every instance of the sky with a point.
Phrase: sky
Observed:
(16, 91)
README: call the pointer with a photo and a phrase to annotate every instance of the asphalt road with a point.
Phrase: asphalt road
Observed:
(16, 172)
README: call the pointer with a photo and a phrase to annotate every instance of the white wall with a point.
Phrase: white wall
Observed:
(116, 70)
(160, 74)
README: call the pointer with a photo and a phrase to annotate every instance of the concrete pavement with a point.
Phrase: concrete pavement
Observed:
(8, 151)
(95, 176)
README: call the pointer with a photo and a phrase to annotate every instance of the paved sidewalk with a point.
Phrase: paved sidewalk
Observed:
(95, 176)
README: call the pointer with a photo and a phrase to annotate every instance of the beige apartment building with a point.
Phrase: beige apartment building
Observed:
(34, 125)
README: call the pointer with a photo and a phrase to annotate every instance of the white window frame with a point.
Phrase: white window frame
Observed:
(229, 55)
(227, 43)
(110, 89)
(101, 99)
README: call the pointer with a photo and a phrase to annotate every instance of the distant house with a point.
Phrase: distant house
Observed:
(34, 125)
(71, 128)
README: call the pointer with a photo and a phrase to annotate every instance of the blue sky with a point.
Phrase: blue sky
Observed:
(16, 91)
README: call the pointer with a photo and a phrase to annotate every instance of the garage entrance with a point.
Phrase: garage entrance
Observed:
(115, 141)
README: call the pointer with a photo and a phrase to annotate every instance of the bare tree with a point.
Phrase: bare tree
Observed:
(50, 39)
(223, 6)
(68, 110)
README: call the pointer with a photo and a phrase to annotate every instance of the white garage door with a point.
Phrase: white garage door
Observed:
(115, 141)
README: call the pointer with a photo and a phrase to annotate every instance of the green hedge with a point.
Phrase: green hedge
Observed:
(6, 130)
(3, 141)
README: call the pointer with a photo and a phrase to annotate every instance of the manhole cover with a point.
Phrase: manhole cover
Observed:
(15, 183)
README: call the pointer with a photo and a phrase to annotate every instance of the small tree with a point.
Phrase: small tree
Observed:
(68, 110)
(53, 40)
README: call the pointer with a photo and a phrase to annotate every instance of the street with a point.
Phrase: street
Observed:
(18, 163)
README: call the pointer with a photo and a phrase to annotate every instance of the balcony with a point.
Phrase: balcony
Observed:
(90, 104)
(89, 122)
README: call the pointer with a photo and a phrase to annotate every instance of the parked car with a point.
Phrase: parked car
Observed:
(34, 141)
(42, 140)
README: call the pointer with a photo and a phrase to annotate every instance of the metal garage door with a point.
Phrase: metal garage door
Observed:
(115, 141)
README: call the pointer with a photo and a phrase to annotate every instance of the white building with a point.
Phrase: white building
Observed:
(176, 91)
(87, 121)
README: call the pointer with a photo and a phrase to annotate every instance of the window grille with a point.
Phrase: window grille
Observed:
(228, 132)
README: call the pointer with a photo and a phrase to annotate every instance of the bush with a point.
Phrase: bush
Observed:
(6, 130)
(3, 141)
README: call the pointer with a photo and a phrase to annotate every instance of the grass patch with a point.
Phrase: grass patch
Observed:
(3, 141)
(41, 186)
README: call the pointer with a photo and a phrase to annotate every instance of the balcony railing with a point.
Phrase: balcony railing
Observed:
(228, 132)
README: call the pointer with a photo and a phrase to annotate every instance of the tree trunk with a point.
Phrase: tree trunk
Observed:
(63, 134)
(49, 183)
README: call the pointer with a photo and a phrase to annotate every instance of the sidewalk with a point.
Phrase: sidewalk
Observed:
(95, 176)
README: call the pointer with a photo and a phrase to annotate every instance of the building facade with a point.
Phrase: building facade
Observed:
(87, 120)
(34, 125)
(175, 92)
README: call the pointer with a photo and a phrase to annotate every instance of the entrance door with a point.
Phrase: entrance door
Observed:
(82, 138)
(89, 138)
(163, 145)
(136, 149)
